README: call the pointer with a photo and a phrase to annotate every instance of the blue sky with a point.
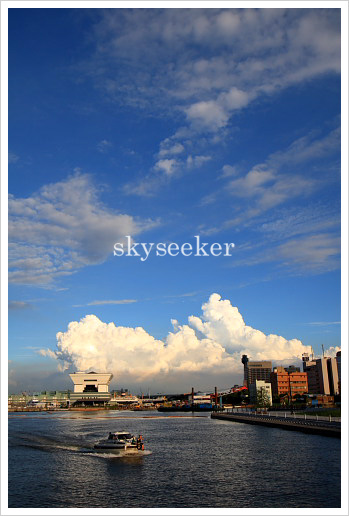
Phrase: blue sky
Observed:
(164, 124)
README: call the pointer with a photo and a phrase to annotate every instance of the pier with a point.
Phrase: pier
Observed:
(328, 428)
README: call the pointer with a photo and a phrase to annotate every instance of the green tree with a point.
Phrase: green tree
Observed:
(263, 399)
(235, 398)
(285, 401)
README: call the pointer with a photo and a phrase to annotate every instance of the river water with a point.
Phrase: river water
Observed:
(189, 461)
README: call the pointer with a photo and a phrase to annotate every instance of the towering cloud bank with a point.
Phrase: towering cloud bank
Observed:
(210, 344)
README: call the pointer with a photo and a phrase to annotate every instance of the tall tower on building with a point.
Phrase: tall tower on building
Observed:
(244, 360)
(255, 370)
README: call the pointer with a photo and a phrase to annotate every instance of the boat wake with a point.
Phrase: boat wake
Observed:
(121, 454)
(49, 445)
(43, 443)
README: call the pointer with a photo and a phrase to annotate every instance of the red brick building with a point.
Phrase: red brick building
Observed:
(284, 383)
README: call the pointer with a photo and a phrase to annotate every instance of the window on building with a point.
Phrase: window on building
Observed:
(91, 388)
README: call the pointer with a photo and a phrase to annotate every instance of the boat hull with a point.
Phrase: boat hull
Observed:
(117, 451)
(115, 447)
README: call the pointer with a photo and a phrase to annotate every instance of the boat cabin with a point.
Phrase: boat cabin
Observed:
(119, 435)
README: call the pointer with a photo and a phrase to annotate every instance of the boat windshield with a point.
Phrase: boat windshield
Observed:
(124, 436)
(119, 435)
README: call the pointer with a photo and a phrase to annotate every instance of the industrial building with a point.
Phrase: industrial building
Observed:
(90, 388)
(285, 383)
(255, 370)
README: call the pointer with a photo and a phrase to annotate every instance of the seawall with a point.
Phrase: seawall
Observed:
(300, 425)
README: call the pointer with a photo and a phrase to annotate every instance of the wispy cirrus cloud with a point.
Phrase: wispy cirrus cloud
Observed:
(61, 228)
(110, 302)
(275, 181)
(314, 218)
(104, 145)
(168, 148)
(186, 294)
(323, 323)
(19, 305)
(12, 158)
(198, 55)
(302, 237)
(164, 170)
(201, 66)
(303, 255)
(317, 253)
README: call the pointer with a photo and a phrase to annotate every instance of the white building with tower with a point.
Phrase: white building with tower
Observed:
(90, 388)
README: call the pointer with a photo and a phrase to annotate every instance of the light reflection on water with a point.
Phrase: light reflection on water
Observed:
(194, 462)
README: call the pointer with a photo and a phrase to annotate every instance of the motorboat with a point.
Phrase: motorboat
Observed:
(120, 441)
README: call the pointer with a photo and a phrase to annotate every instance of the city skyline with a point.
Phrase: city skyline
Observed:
(163, 125)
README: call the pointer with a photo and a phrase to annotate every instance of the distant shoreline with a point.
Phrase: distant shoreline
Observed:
(75, 409)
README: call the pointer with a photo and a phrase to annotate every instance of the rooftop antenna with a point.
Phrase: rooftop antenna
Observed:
(312, 353)
(323, 351)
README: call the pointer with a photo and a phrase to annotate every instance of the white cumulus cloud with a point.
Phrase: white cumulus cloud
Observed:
(332, 351)
(210, 345)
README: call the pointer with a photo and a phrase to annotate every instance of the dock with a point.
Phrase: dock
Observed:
(330, 429)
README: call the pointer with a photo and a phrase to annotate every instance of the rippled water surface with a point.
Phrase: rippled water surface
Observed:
(189, 461)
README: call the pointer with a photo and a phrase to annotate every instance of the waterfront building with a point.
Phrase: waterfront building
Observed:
(18, 400)
(338, 358)
(44, 399)
(90, 388)
(255, 370)
(51, 399)
(323, 400)
(322, 376)
(262, 387)
(285, 383)
(199, 399)
(333, 378)
(124, 399)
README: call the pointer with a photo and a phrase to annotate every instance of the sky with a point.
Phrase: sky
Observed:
(166, 125)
